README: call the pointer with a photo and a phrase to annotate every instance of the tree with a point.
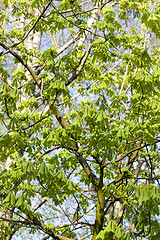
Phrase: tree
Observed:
(79, 115)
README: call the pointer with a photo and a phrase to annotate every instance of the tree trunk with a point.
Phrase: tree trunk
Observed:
(99, 213)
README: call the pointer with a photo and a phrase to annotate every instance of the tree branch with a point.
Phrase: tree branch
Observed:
(22, 62)
(125, 155)
(40, 16)
(45, 228)
(82, 61)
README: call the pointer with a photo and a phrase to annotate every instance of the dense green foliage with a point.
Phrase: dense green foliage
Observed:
(79, 119)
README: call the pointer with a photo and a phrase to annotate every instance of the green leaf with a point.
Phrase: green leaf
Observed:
(125, 170)
(29, 168)
(127, 236)
(19, 201)
(119, 231)
(77, 121)
(87, 113)
(61, 175)
(110, 227)
(155, 193)
(100, 116)
(10, 199)
(101, 235)
(5, 2)
(143, 193)
(43, 170)
(70, 186)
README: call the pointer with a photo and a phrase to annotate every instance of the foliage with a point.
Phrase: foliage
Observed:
(80, 119)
